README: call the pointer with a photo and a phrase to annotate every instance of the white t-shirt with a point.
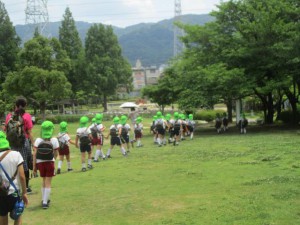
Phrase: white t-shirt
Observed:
(54, 143)
(10, 163)
(138, 126)
(64, 138)
(83, 130)
(127, 127)
(160, 122)
(99, 127)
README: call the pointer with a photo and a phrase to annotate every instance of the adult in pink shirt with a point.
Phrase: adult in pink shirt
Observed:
(25, 150)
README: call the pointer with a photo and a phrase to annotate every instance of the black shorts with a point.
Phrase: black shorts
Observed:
(190, 128)
(125, 139)
(115, 141)
(7, 203)
(176, 132)
(161, 131)
(85, 148)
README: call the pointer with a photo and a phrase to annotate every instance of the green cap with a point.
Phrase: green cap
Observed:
(191, 116)
(123, 119)
(99, 117)
(47, 129)
(63, 127)
(83, 121)
(139, 119)
(154, 118)
(168, 116)
(116, 120)
(176, 115)
(4, 144)
(159, 114)
(94, 120)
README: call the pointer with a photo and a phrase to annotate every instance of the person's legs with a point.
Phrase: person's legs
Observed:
(18, 221)
(109, 151)
(83, 165)
(47, 191)
(4, 220)
(59, 164)
(68, 158)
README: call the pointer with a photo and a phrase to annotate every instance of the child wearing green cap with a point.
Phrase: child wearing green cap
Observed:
(12, 162)
(97, 129)
(115, 133)
(44, 154)
(160, 126)
(191, 126)
(64, 149)
(138, 131)
(83, 142)
(125, 128)
(242, 124)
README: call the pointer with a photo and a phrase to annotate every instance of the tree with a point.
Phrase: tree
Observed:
(105, 64)
(41, 73)
(44, 87)
(265, 32)
(9, 44)
(71, 43)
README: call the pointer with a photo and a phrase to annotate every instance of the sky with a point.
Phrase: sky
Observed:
(121, 13)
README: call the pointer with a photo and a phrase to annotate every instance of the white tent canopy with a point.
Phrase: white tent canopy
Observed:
(129, 105)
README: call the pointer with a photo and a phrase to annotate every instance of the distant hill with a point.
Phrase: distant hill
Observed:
(152, 43)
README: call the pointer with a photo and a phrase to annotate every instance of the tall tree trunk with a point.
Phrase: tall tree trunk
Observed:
(229, 106)
(43, 110)
(104, 103)
(270, 108)
(293, 101)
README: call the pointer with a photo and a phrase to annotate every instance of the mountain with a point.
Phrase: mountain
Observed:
(152, 43)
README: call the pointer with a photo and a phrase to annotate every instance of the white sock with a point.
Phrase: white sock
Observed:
(89, 162)
(69, 165)
(83, 165)
(154, 139)
(46, 195)
(123, 150)
(97, 154)
(43, 192)
(158, 141)
(192, 135)
(138, 143)
(59, 164)
(108, 152)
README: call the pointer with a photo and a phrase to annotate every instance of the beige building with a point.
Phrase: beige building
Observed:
(143, 76)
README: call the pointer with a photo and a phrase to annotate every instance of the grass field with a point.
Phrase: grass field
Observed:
(214, 179)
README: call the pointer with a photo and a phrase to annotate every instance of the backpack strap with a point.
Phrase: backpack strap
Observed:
(4, 155)
(6, 174)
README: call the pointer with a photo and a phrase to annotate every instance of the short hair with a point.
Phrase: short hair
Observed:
(21, 101)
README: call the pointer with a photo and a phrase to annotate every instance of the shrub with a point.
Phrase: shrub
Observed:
(207, 115)
(287, 117)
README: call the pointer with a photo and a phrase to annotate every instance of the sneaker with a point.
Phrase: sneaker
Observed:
(58, 171)
(108, 156)
(125, 154)
(104, 158)
(70, 169)
(96, 160)
(28, 190)
(90, 166)
(83, 169)
(45, 206)
(159, 145)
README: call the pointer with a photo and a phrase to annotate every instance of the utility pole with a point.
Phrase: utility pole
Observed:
(37, 16)
(178, 45)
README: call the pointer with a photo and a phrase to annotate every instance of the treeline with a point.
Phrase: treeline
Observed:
(251, 49)
(48, 70)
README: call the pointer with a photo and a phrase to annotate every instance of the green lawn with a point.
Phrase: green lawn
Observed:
(213, 179)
